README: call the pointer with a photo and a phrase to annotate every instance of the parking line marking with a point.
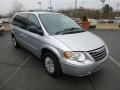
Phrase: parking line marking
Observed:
(115, 61)
(13, 74)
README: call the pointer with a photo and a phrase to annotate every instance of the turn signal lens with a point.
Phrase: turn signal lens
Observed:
(68, 54)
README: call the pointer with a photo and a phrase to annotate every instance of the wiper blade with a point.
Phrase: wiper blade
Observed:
(71, 29)
(68, 32)
(61, 32)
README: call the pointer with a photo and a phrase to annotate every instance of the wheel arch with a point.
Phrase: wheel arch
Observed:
(54, 51)
(12, 34)
(51, 49)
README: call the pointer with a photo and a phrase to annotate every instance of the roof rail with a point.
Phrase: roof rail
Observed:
(41, 10)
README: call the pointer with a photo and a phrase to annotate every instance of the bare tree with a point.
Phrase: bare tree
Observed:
(16, 7)
(107, 9)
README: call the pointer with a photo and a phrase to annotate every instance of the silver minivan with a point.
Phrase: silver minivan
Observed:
(61, 44)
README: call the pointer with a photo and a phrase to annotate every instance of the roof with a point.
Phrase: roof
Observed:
(38, 12)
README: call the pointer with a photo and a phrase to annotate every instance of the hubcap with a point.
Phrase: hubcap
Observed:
(14, 41)
(49, 65)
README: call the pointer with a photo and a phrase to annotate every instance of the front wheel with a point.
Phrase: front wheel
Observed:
(51, 64)
(15, 43)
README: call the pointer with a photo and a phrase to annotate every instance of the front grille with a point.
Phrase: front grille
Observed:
(98, 54)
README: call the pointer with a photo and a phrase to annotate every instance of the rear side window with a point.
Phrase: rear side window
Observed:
(20, 21)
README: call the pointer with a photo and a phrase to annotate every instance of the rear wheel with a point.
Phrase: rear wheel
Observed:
(51, 64)
(15, 43)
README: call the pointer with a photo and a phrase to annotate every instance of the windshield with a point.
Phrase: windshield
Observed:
(59, 24)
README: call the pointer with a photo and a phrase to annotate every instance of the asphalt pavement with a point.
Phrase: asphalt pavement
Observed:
(21, 70)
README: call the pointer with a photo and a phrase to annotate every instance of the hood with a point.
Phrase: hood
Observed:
(84, 41)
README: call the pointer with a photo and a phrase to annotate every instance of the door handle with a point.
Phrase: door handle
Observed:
(23, 35)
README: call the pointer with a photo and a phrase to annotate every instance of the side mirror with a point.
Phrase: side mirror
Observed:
(35, 29)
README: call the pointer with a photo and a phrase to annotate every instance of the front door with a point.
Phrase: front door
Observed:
(33, 39)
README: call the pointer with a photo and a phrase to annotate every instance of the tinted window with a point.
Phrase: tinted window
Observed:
(33, 21)
(20, 21)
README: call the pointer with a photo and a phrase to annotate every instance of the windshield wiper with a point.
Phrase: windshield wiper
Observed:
(69, 30)
(61, 32)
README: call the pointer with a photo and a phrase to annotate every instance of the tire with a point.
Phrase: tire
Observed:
(15, 43)
(55, 65)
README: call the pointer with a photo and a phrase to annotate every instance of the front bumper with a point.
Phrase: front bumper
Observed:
(1, 29)
(83, 69)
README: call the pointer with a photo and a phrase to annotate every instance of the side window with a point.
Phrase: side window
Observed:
(20, 21)
(33, 21)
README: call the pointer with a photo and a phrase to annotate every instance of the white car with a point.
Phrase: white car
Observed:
(103, 21)
(1, 26)
(117, 20)
(93, 22)
(77, 20)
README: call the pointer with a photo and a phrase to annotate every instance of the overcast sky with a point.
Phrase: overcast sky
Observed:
(5, 5)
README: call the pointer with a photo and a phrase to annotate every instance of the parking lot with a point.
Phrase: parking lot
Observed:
(21, 70)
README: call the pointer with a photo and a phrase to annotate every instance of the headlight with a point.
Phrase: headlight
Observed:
(68, 54)
(77, 56)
